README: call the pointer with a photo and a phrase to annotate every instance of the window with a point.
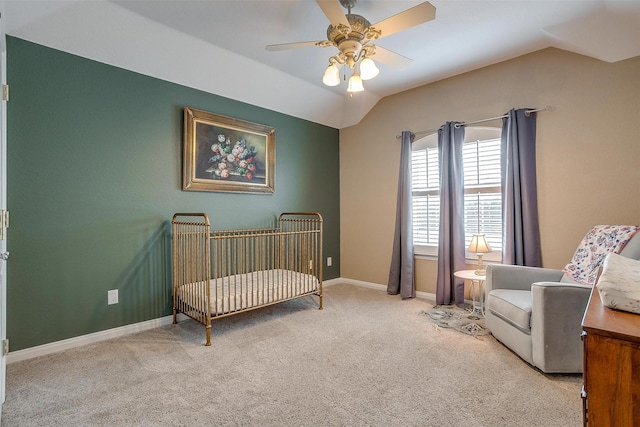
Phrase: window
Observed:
(482, 199)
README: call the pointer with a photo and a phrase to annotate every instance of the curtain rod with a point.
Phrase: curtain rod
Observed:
(527, 112)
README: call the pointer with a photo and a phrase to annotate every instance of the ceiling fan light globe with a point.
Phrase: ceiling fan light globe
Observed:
(368, 69)
(331, 76)
(355, 84)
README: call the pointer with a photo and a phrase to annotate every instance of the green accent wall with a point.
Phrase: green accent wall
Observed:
(94, 175)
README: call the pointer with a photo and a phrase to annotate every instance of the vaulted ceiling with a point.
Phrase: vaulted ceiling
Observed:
(219, 45)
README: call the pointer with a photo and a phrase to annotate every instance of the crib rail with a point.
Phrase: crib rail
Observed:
(308, 226)
(221, 272)
(191, 266)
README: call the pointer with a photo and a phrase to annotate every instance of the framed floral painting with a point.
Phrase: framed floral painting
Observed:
(226, 154)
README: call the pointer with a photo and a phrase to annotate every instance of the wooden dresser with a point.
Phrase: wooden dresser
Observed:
(611, 389)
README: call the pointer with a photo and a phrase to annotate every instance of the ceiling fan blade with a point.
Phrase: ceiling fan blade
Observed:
(333, 11)
(289, 46)
(416, 15)
(390, 58)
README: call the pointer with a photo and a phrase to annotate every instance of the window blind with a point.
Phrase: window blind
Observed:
(482, 200)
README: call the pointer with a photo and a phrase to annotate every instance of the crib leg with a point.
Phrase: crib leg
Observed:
(320, 302)
(208, 335)
(175, 318)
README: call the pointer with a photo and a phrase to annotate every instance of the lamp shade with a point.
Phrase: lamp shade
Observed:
(331, 75)
(368, 69)
(355, 84)
(479, 244)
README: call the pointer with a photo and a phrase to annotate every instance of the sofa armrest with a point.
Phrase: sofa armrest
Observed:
(556, 322)
(500, 276)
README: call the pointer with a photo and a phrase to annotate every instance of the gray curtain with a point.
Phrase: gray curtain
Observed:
(451, 248)
(401, 271)
(521, 236)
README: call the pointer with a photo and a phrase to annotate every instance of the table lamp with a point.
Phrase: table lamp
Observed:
(479, 246)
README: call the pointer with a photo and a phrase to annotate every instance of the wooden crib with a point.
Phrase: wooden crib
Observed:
(223, 272)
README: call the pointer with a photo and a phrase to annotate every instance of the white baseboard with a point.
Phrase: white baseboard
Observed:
(331, 282)
(54, 347)
(419, 294)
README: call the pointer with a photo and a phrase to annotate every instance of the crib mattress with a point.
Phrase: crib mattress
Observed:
(243, 291)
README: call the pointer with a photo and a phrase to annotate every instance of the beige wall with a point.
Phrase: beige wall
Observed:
(588, 152)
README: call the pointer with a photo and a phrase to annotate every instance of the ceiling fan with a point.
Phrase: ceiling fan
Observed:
(353, 34)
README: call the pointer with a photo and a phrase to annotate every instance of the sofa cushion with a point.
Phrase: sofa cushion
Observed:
(513, 306)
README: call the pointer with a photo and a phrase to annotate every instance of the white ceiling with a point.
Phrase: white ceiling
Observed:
(219, 46)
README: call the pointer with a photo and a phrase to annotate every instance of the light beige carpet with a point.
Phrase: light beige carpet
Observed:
(367, 359)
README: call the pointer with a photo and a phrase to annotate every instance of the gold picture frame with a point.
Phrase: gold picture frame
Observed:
(224, 154)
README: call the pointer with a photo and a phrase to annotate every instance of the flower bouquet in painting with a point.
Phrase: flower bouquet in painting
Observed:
(232, 159)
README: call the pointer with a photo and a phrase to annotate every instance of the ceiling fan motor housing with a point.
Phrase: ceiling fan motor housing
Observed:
(349, 39)
(357, 30)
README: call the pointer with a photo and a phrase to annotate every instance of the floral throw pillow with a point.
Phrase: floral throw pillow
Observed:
(597, 243)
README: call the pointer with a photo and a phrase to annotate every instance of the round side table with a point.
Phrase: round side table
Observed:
(477, 288)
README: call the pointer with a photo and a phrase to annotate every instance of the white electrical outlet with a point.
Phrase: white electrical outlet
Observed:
(329, 261)
(112, 297)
